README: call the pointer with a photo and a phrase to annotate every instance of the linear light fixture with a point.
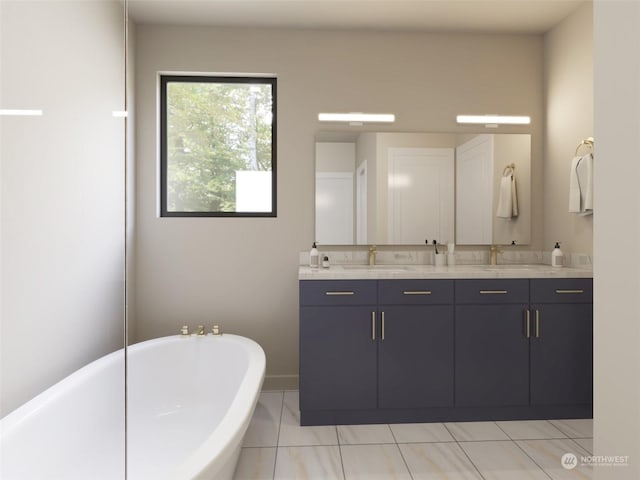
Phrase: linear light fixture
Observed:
(494, 119)
(20, 113)
(356, 117)
(120, 113)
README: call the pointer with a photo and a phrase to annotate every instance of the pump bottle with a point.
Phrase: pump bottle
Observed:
(557, 257)
(314, 256)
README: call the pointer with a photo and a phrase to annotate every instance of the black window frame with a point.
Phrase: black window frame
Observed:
(168, 78)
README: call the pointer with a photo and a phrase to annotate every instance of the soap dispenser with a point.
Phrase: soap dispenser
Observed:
(314, 256)
(557, 257)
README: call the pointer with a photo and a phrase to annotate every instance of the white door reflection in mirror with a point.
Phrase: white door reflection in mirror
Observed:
(474, 191)
(420, 195)
(335, 193)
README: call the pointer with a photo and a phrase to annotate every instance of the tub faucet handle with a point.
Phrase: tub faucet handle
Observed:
(184, 330)
(215, 330)
(201, 331)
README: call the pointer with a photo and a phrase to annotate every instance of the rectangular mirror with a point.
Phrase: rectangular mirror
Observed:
(405, 188)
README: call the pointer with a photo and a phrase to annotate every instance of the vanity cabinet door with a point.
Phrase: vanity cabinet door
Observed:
(415, 356)
(492, 355)
(338, 368)
(562, 355)
(561, 342)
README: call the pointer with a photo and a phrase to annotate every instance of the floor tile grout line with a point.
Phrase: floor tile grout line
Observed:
(559, 428)
(344, 474)
(464, 452)
(380, 445)
(275, 459)
(581, 447)
(503, 431)
(532, 459)
(314, 445)
(567, 433)
(545, 438)
(404, 460)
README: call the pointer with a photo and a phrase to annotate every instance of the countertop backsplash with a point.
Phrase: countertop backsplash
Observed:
(425, 256)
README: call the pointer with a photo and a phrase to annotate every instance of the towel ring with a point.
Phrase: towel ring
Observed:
(588, 142)
(511, 167)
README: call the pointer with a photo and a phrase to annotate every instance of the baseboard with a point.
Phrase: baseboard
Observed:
(280, 382)
(443, 414)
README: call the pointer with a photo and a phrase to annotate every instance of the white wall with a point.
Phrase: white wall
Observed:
(568, 83)
(242, 273)
(335, 157)
(62, 191)
(617, 236)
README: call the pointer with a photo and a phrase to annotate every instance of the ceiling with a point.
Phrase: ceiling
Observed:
(477, 16)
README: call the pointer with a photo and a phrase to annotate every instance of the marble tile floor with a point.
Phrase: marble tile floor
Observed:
(276, 447)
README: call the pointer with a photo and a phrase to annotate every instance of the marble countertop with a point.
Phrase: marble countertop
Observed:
(363, 272)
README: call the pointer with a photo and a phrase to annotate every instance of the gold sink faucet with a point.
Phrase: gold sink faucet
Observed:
(495, 250)
(372, 255)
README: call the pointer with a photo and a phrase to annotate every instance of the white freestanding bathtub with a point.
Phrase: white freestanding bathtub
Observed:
(189, 402)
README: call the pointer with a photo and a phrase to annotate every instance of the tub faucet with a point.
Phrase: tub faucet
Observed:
(372, 255)
(495, 250)
(201, 331)
(215, 330)
(184, 331)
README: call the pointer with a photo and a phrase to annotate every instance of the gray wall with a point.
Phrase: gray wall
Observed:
(242, 273)
(62, 197)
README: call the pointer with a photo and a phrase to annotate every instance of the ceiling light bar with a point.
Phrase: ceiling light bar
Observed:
(494, 119)
(120, 113)
(357, 117)
(20, 113)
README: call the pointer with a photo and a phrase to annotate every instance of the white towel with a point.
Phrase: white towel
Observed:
(507, 196)
(585, 177)
(581, 185)
(574, 186)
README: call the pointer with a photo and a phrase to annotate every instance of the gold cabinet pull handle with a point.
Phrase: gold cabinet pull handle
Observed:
(382, 333)
(569, 292)
(417, 292)
(373, 326)
(329, 294)
(493, 292)
(537, 323)
(528, 324)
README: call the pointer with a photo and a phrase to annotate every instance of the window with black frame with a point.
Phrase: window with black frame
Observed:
(217, 146)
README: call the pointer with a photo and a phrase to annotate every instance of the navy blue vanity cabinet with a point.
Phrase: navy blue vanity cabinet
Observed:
(415, 345)
(442, 350)
(338, 348)
(491, 343)
(561, 341)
